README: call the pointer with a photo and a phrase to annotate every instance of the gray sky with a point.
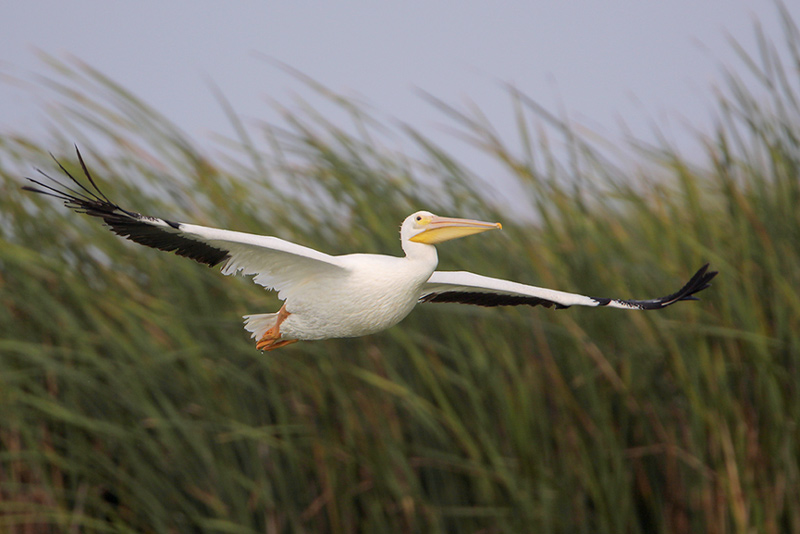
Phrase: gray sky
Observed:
(602, 62)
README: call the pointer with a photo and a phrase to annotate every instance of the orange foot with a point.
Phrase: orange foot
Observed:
(274, 344)
(271, 339)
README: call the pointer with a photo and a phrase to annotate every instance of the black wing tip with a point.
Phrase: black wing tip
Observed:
(701, 280)
(78, 197)
(127, 224)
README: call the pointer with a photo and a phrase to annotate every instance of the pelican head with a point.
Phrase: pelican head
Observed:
(425, 227)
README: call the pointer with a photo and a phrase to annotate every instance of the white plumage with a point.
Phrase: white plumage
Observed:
(329, 296)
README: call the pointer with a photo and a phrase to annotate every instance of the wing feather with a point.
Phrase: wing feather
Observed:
(276, 263)
(469, 288)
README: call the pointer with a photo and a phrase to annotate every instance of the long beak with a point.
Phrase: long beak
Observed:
(442, 229)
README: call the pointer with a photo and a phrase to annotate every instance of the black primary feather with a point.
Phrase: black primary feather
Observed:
(149, 231)
(488, 300)
(700, 281)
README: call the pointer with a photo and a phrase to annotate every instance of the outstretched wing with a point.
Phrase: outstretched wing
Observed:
(469, 288)
(276, 263)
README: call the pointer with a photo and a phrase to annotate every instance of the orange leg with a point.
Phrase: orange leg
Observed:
(275, 345)
(271, 339)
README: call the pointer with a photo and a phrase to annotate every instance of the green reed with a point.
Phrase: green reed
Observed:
(131, 400)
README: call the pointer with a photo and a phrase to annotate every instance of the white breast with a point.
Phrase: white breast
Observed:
(378, 292)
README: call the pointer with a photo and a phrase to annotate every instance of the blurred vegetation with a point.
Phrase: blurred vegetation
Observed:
(131, 400)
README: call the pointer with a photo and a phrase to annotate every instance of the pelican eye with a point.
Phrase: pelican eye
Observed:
(419, 218)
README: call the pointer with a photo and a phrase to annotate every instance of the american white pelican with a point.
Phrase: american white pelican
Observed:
(337, 296)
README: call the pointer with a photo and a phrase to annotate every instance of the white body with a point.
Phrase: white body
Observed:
(374, 293)
(343, 296)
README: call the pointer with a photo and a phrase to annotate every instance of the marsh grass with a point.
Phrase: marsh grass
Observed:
(132, 401)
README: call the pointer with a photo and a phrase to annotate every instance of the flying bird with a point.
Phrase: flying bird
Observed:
(326, 296)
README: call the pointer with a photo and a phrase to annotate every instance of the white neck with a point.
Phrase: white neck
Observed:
(421, 252)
